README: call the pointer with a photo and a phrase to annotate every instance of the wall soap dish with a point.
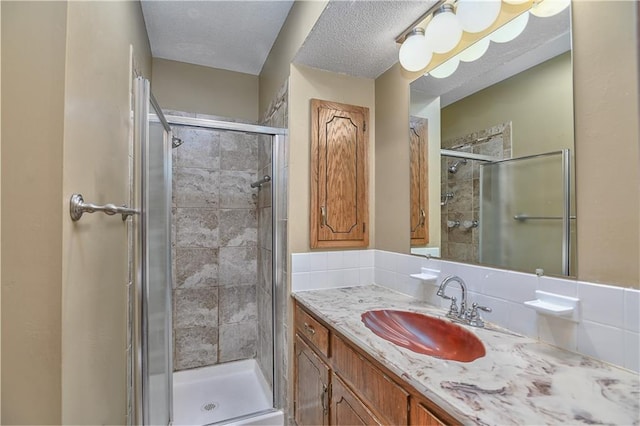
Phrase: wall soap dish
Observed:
(555, 305)
(427, 274)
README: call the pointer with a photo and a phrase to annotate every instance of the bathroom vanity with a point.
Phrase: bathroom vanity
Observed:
(345, 374)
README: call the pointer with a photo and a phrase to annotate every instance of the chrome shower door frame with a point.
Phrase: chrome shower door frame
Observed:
(143, 116)
(278, 246)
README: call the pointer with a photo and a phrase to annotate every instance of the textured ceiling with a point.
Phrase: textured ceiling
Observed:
(230, 35)
(354, 37)
(542, 39)
(358, 37)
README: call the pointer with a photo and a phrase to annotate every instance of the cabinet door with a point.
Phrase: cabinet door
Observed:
(418, 181)
(346, 408)
(311, 393)
(339, 157)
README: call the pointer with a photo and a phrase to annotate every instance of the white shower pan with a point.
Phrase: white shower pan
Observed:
(224, 394)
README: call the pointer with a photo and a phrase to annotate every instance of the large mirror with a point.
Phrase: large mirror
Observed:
(492, 154)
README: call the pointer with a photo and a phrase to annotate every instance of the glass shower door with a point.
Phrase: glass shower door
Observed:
(156, 335)
(525, 213)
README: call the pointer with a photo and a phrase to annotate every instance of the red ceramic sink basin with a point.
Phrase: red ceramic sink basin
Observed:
(425, 335)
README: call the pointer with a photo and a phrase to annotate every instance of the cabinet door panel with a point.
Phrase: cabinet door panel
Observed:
(311, 397)
(346, 408)
(339, 156)
(422, 416)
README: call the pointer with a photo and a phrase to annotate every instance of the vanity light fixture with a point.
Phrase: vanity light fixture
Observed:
(444, 31)
(546, 8)
(476, 16)
(445, 69)
(441, 29)
(511, 30)
(415, 52)
(475, 51)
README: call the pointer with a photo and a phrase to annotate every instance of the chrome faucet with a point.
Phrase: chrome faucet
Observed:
(469, 316)
(454, 312)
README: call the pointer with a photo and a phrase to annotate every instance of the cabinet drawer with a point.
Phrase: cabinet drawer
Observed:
(376, 390)
(312, 330)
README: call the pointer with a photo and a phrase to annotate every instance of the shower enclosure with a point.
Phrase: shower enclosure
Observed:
(211, 311)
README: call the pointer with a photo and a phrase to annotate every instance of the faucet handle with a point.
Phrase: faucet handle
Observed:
(475, 308)
(473, 317)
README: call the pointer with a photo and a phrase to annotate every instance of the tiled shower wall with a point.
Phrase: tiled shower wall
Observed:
(215, 227)
(457, 242)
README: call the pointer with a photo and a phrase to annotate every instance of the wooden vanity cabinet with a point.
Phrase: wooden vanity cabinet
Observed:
(339, 176)
(338, 384)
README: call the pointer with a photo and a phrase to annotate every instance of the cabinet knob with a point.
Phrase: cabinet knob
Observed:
(309, 329)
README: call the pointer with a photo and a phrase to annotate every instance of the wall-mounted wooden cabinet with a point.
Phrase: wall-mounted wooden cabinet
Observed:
(337, 383)
(418, 181)
(339, 175)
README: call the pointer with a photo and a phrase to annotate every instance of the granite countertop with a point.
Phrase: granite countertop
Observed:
(519, 381)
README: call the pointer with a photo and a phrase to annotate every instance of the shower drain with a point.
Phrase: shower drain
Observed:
(209, 406)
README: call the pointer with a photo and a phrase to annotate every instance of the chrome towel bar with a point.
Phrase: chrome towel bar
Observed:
(77, 207)
(523, 217)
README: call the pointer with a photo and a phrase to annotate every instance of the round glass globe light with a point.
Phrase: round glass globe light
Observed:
(444, 31)
(477, 15)
(547, 8)
(415, 53)
(510, 30)
(445, 69)
(475, 51)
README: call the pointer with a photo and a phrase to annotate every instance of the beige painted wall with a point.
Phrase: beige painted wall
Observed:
(305, 84)
(392, 214)
(606, 139)
(541, 124)
(302, 17)
(0, 215)
(194, 88)
(605, 38)
(66, 80)
(33, 63)
(96, 152)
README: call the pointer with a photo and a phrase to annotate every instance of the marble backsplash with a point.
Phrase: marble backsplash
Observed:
(608, 326)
